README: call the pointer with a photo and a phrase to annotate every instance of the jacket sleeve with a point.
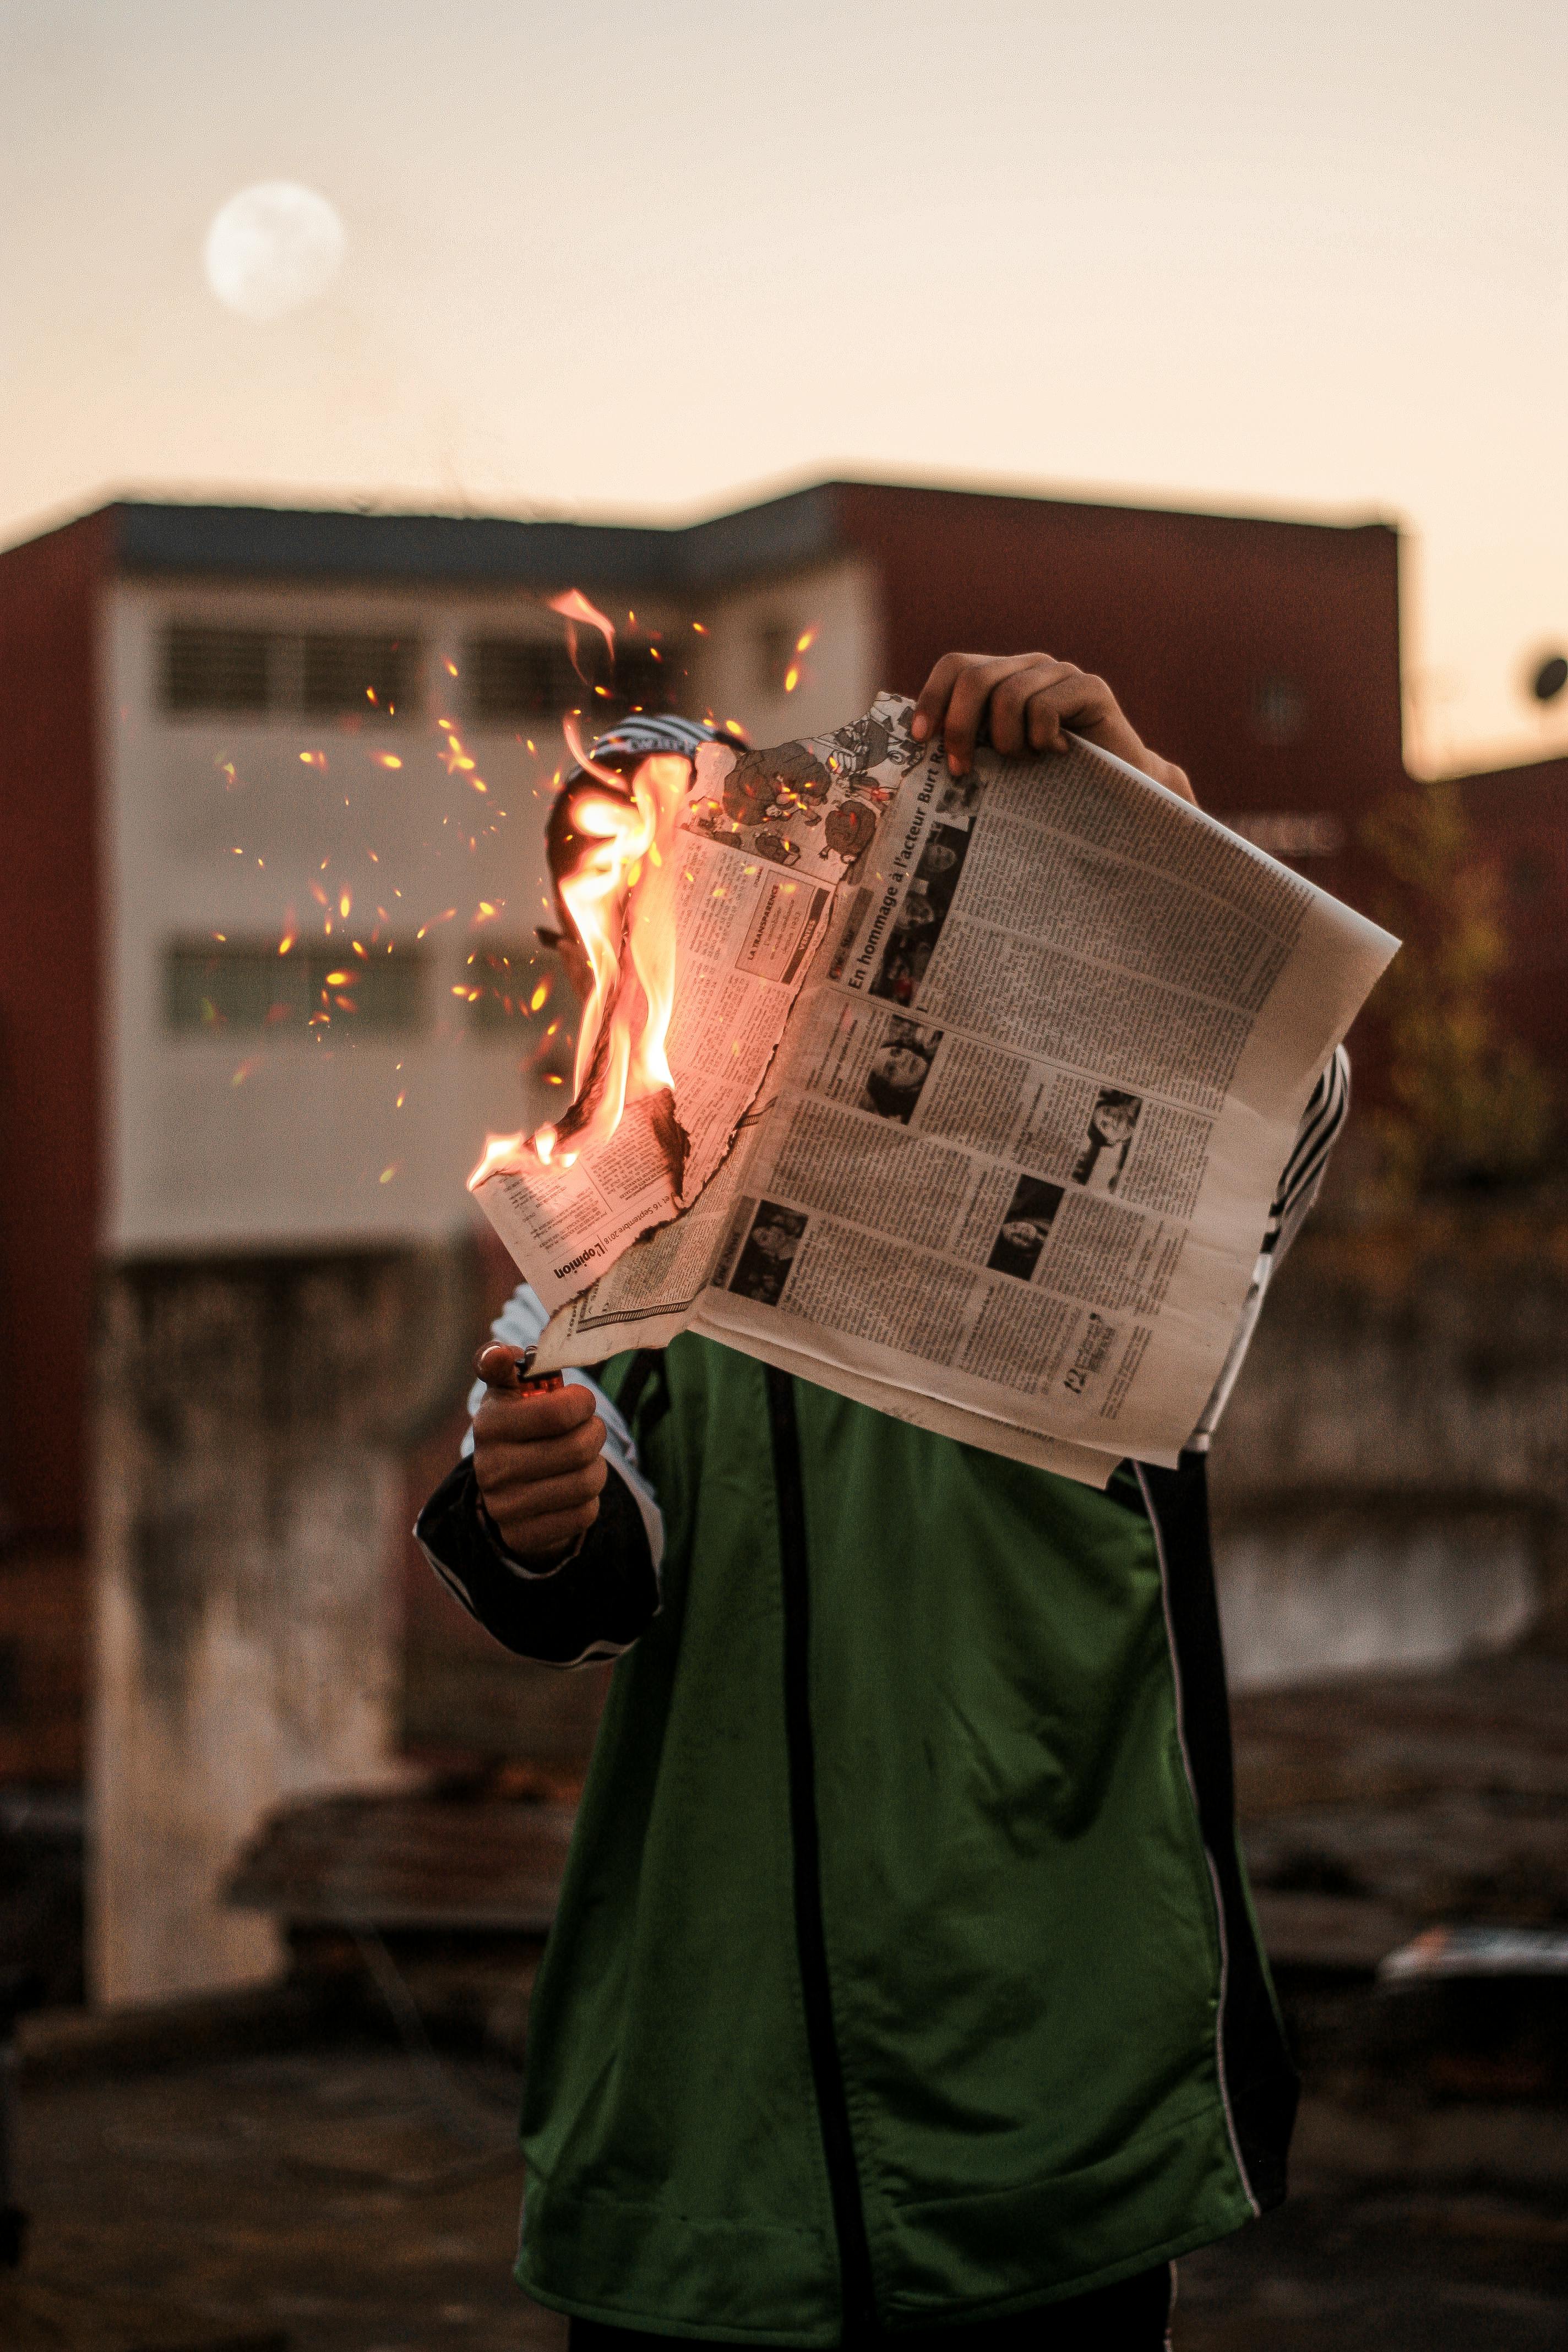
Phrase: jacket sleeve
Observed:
(1300, 1180)
(596, 1602)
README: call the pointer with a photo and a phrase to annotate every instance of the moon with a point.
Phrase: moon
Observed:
(272, 248)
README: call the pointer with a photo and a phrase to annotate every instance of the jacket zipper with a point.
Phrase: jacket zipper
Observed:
(861, 2321)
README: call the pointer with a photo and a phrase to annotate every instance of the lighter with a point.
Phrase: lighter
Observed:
(506, 1369)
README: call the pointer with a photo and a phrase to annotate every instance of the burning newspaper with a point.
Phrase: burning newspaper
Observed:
(965, 1098)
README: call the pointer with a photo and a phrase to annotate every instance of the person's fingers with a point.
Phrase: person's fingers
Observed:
(1029, 702)
(1057, 706)
(547, 1413)
(1043, 729)
(1073, 698)
(1006, 719)
(930, 707)
(972, 691)
(537, 1499)
(532, 1538)
(499, 1454)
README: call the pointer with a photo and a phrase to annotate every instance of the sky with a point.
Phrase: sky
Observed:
(648, 260)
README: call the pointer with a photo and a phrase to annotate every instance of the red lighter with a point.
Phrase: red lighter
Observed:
(506, 1369)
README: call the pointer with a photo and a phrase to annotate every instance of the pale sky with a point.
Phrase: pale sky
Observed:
(615, 259)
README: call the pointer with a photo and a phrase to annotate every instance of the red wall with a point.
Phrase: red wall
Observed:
(50, 962)
(1182, 615)
(1185, 615)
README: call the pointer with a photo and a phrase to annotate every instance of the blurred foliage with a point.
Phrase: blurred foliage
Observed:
(1468, 1105)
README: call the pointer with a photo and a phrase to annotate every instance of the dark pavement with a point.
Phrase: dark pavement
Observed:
(351, 2199)
(281, 2179)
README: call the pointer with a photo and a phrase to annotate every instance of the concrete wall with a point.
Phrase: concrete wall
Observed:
(1391, 1482)
(253, 1418)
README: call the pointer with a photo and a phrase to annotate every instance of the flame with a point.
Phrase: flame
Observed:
(620, 897)
(498, 1151)
(573, 607)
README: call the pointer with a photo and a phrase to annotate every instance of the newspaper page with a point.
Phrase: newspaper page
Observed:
(1009, 1172)
(767, 838)
(745, 933)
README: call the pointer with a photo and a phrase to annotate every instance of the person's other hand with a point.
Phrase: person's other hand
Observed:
(1026, 702)
(540, 1463)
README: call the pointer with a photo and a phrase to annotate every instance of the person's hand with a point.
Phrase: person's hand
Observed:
(539, 1461)
(1026, 702)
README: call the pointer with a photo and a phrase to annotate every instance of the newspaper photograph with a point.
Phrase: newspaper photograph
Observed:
(1007, 1144)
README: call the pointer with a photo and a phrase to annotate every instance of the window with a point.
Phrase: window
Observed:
(320, 672)
(646, 678)
(231, 986)
(1279, 709)
(214, 669)
(520, 677)
(513, 679)
(342, 673)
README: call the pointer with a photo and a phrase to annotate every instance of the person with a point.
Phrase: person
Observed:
(899, 1069)
(903, 1982)
(1104, 1156)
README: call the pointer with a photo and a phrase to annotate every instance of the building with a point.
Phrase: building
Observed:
(274, 783)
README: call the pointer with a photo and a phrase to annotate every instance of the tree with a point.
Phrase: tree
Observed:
(1468, 1105)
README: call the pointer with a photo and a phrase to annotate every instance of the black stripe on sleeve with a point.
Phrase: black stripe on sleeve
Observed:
(590, 1610)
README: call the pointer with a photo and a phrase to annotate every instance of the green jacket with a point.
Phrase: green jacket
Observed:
(904, 1967)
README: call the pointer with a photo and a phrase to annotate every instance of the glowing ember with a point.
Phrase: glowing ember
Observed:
(803, 644)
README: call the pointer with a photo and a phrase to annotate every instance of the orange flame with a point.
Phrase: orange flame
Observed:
(620, 897)
(573, 607)
(498, 1151)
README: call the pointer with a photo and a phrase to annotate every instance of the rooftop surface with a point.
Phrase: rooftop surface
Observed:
(800, 528)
